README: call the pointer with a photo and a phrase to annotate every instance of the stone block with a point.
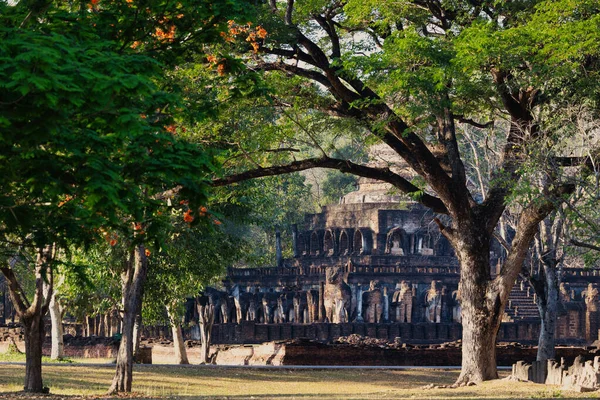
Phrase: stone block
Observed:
(522, 371)
(286, 332)
(406, 331)
(335, 331)
(322, 332)
(382, 332)
(298, 331)
(360, 329)
(555, 373)
(274, 332)
(394, 331)
(262, 333)
(310, 331)
(371, 330)
(248, 331)
(346, 329)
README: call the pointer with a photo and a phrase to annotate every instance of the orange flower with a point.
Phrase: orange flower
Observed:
(113, 242)
(261, 32)
(137, 226)
(255, 46)
(135, 44)
(217, 222)
(187, 216)
(147, 252)
(165, 36)
(211, 58)
(171, 128)
(221, 69)
(184, 202)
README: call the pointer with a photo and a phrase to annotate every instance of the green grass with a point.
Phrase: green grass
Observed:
(20, 357)
(198, 382)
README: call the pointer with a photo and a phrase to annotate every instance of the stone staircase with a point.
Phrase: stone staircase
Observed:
(520, 303)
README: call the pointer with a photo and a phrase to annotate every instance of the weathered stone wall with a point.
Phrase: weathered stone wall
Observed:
(253, 333)
(311, 353)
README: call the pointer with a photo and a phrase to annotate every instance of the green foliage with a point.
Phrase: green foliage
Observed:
(336, 185)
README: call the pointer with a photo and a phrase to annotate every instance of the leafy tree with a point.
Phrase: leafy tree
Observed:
(87, 142)
(408, 72)
(189, 260)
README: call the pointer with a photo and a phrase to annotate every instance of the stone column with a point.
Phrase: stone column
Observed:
(359, 317)
(386, 305)
(322, 302)
(354, 301)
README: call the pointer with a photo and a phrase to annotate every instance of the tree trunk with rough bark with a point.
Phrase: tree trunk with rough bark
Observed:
(33, 327)
(178, 342)
(58, 347)
(481, 311)
(133, 279)
(31, 314)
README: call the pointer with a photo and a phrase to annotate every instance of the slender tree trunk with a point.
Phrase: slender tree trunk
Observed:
(58, 347)
(132, 285)
(206, 317)
(547, 298)
(178, 342)
(137, 334)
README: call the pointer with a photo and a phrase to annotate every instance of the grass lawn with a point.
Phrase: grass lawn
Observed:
(198, 382)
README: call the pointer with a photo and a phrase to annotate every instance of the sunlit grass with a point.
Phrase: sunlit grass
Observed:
(215, 382)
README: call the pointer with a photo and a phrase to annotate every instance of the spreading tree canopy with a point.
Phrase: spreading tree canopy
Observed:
(408, 73)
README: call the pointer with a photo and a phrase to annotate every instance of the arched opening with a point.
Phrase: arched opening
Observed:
(301, 245)
(344, 244)
(427, 244)
(358, 242)
(396, 242)
(314, 244)
(328, 248)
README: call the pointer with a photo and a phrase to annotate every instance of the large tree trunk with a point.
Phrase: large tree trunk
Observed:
(31, 314)
(178, 343)
(58, 347)
(33, 327)
(132, 290)
(481, 313)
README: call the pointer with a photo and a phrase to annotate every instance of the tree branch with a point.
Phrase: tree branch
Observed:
(382, 174)
(590, 246)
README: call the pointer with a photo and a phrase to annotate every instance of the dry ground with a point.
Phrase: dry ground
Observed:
(173, 382)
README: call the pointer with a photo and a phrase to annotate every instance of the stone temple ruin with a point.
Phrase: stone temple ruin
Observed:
(377, 265)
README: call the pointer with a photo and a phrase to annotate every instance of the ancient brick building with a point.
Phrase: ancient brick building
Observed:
(402, 280)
